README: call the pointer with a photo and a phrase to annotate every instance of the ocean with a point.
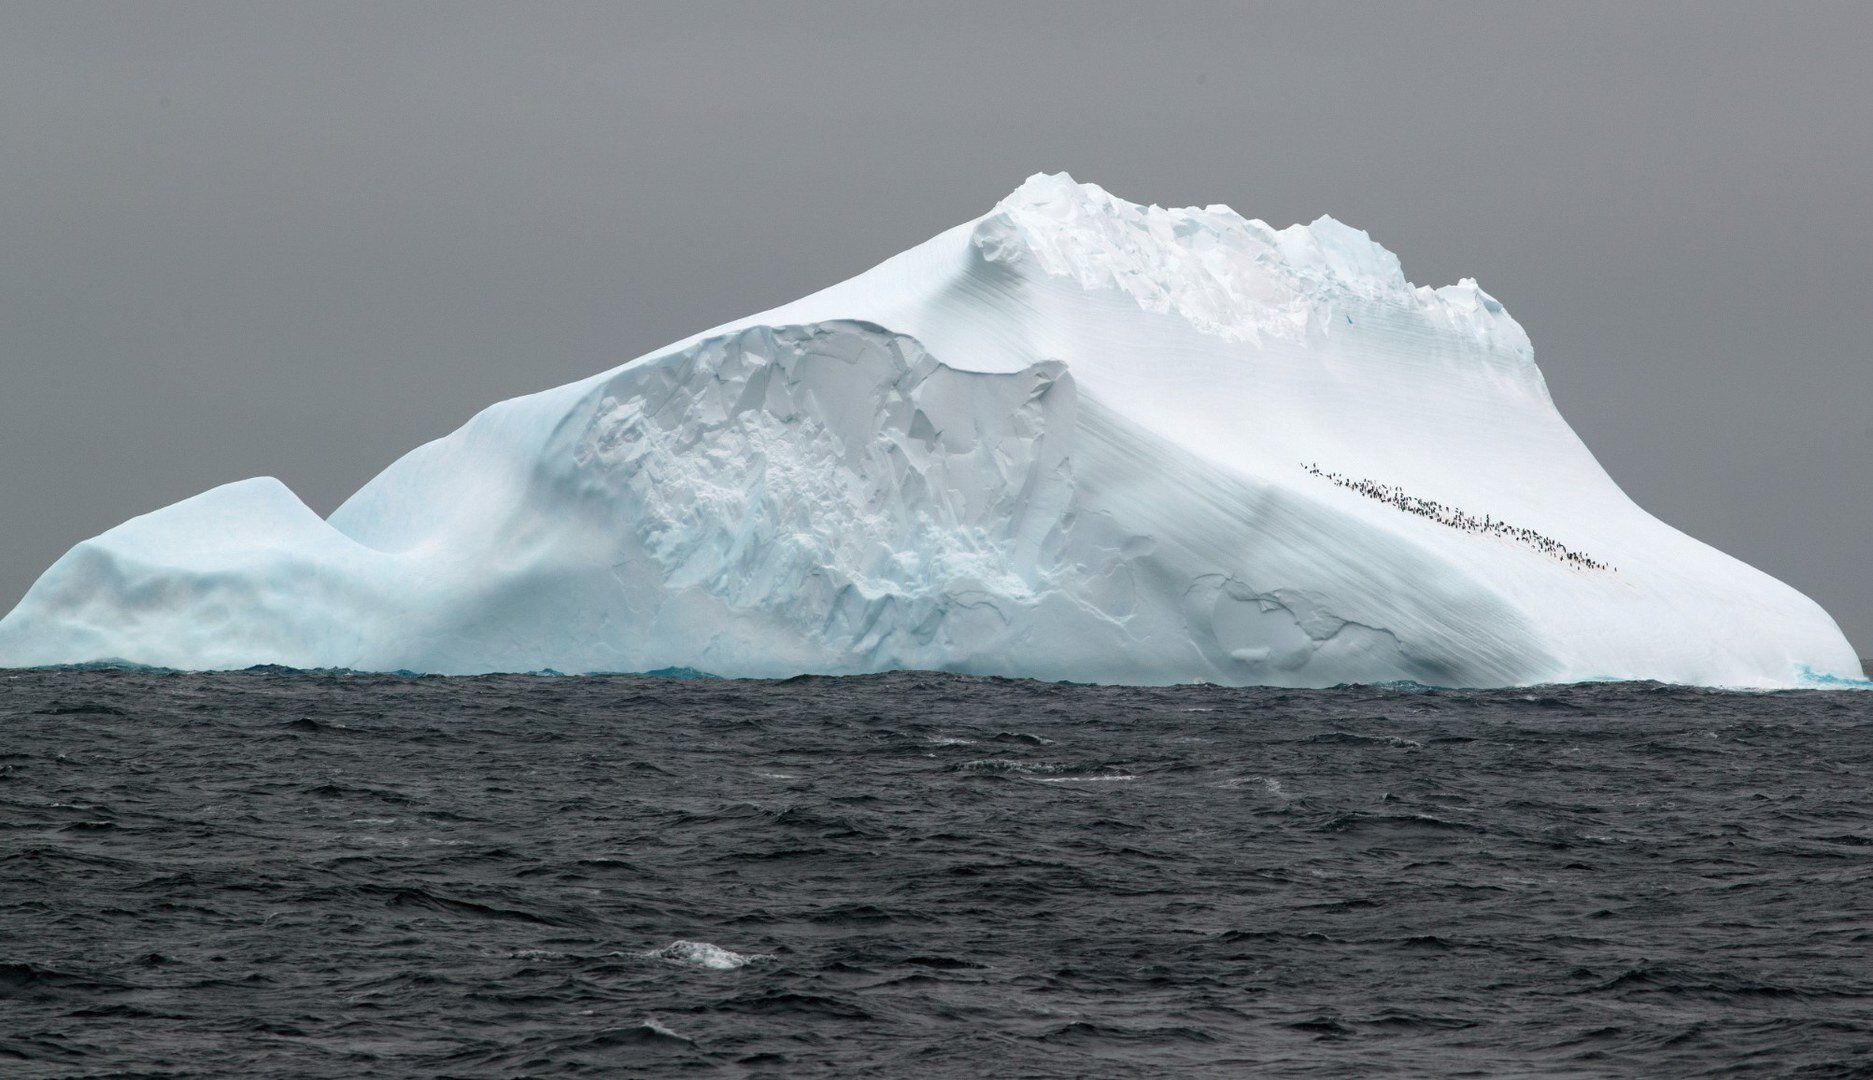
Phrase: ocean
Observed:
(303, 874)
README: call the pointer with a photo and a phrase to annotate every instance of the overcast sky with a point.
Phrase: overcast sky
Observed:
(299, 239)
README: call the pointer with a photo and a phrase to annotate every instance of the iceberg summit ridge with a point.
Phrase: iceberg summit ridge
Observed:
(1227, 274)
(1076, 438)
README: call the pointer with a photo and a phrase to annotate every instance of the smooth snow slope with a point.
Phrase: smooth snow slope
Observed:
(1065, 440)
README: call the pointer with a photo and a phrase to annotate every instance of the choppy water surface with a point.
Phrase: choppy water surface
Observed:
(282, 874)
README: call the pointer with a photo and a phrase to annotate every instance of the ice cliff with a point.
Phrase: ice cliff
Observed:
(1076, 438)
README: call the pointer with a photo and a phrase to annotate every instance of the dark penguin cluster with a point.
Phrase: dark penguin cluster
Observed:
(1457, 519)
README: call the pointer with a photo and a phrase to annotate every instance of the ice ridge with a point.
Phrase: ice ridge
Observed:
(1226, 274)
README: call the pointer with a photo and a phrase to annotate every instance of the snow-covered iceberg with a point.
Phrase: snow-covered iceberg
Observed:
(1075, 438)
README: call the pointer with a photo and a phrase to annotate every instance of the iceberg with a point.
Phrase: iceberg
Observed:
(1076, 438)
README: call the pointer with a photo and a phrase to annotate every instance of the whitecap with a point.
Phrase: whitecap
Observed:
(1009, 765)
(1269, 784)
(651, 1025)
(701, 954)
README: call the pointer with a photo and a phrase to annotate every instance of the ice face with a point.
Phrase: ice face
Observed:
(1076, 438)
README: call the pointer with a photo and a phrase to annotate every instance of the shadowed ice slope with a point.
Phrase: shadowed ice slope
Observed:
(1076, 438)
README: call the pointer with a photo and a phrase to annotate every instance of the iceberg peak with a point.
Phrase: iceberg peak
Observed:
(1228, 275)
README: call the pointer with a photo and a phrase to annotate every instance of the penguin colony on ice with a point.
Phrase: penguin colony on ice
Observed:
(1457, 519)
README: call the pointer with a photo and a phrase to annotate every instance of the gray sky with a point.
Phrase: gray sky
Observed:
(299, 239)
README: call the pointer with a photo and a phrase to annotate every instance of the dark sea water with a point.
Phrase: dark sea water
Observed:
(274, 874)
